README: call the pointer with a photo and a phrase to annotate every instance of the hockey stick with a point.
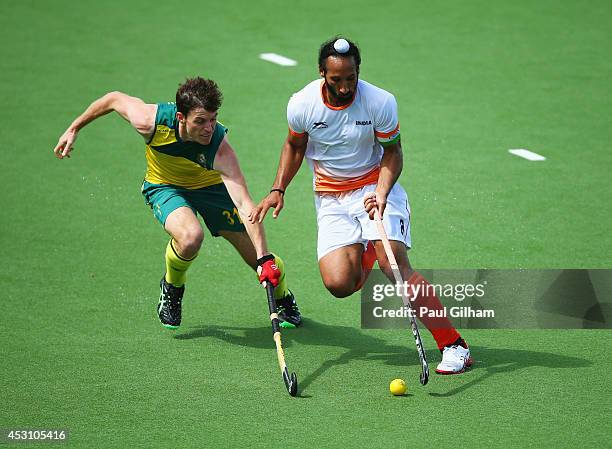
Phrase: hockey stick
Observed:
(290, 380)
(398, 280)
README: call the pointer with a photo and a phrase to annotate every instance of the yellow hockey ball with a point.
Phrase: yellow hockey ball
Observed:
(397, 387)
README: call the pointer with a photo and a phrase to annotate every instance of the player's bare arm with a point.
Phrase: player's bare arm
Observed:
(292, 155)
(140, 115)
(226, 163)
(390, 169)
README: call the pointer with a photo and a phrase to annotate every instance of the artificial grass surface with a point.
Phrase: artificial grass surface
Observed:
(217, 385)
(82, 255)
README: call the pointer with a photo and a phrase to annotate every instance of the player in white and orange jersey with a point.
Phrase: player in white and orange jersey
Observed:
(348, 131)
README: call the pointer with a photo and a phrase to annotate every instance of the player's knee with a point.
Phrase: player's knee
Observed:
(190, 240)
(340, 288)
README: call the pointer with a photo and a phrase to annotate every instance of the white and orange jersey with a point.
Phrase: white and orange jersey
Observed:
(344, 143)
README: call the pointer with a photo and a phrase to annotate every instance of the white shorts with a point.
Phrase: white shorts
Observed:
(342, 219)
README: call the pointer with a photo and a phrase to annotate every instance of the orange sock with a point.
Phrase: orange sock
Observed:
(440, 327)
(368, 258)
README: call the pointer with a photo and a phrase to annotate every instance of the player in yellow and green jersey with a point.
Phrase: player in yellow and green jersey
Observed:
(191, 169)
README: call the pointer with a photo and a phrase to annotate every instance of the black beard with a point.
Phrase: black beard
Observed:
(339, 99)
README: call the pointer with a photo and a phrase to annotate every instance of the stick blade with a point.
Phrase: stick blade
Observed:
(290, 382)
(424, 375)
(293, 388)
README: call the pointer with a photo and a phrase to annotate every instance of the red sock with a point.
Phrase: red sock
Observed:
(368, 258)
(440, 327)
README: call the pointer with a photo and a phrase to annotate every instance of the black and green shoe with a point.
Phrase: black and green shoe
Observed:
(288, 311)
(169, 306)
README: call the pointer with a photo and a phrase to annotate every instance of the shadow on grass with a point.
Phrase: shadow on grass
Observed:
(491, 361)
(362, 346)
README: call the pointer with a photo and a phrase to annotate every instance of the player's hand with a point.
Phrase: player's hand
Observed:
(274, 199)
(374, 200)
(65, 144)
(267, 270)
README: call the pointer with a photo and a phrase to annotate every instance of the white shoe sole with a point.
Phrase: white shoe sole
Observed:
(468, 365)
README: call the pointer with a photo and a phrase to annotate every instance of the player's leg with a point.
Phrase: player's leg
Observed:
(343, 263)
(456, 356)
(342, 271)
(186, 239)
(222, 219)
(440, 327)
(171, 208)
(455, 351)
(287, 308)
(187, 236)
(241, 241)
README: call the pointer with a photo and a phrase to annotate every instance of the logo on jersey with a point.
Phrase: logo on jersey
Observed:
(201, 158)
(363, 122)
(163, 131)
(319, 125)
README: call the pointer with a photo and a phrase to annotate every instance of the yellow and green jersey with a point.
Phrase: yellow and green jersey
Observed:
(171, 160)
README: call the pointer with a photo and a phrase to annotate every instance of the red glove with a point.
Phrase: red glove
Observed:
(267, 270)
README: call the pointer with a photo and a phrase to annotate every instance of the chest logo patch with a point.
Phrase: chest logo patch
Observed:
(201, 159)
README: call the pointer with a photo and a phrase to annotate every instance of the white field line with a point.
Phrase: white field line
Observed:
(526, 154)
(277, 59)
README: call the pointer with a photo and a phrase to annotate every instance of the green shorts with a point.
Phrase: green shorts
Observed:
(213, 203)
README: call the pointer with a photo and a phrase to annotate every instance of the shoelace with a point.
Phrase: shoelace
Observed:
(288, 305)
(173, 303)
(453, 353)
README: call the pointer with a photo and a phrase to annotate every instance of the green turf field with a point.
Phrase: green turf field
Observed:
(80, 344)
